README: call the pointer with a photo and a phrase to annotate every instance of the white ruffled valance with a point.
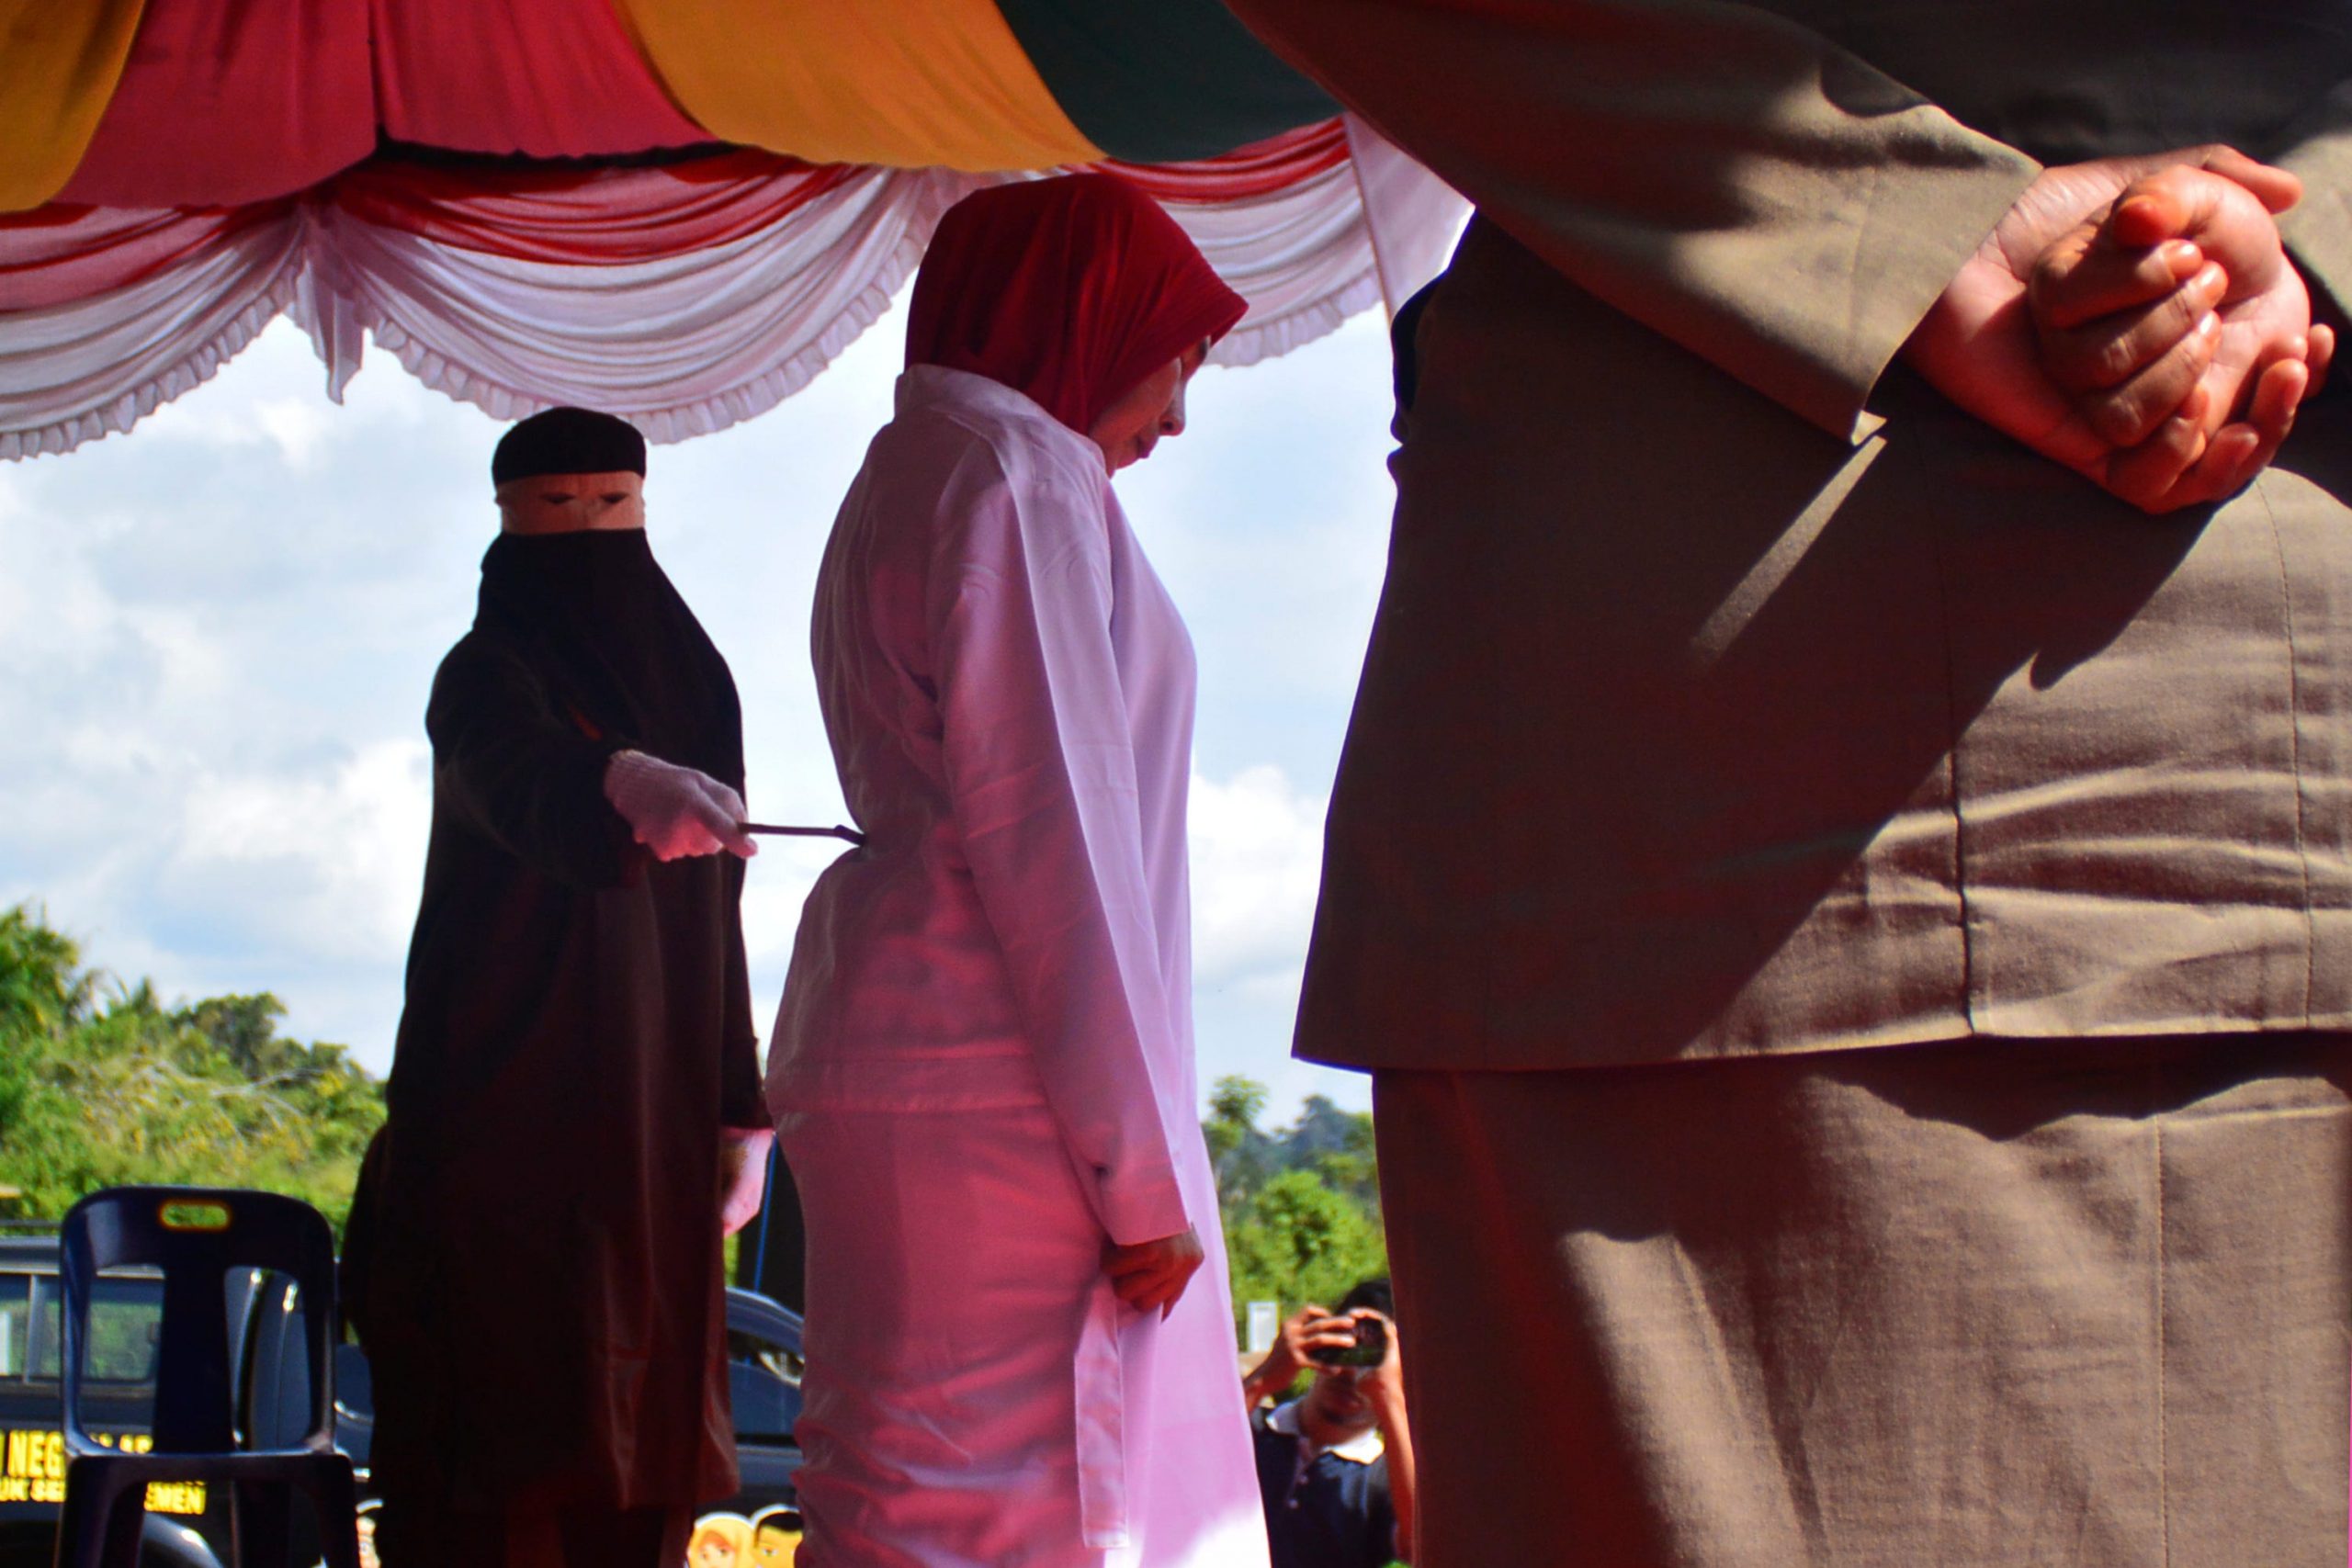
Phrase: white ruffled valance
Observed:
(686, 298)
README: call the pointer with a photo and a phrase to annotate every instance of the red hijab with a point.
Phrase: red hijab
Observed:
(1071, 290)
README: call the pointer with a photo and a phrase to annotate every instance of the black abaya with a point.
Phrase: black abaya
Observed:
(536, 1266)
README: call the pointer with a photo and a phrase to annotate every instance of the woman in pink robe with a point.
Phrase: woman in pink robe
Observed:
(982, 1072)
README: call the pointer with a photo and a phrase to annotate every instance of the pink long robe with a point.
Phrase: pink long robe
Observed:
(983, 1063)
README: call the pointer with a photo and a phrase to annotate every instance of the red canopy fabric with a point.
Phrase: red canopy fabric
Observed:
(69, 253)
(550, 78)
(222, 102)
(1279, 164)
(558, 216)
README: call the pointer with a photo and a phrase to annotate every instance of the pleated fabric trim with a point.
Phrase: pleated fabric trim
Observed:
(688, 297)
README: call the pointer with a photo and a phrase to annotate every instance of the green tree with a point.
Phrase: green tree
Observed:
(245, 1029)
(1240, 1155)
(1300, 1207)
(43, 988)
(1335, 1144)
(1299, 1241)
(133, 1091)
(43, 991)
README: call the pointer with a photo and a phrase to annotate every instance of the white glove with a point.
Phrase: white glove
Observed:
(675, 811)
(743, 1167)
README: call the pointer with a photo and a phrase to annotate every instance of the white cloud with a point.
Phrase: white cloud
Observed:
(297, 430)
(320, 863)
(1257, 843)
(1257, 847)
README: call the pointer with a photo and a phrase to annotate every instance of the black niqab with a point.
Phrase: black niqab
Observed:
(595, 615)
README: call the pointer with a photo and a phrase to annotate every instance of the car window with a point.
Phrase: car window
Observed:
(126, 1322)
(355, 1389)
(16, 1323)
(764, 1381)
(758, 1350)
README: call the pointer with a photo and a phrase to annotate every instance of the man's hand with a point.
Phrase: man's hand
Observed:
(1383, 1385)
(1147, 1274)
(1979, 345)
(1305, 1334)
(2103, 306)
(1384, 1389)
(742, 1175)
(675, 811)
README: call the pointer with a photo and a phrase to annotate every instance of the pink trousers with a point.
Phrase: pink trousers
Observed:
(975, 1394)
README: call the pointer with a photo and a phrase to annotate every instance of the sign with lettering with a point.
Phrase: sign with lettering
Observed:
(32, 1470)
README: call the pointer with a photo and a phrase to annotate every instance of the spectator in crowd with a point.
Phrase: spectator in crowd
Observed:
(1335, 1466)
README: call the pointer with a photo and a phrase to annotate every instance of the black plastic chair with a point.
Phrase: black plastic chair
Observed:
(198, 1237)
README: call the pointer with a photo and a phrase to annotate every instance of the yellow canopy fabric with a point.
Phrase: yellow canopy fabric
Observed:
(59, 63)
(904, 83)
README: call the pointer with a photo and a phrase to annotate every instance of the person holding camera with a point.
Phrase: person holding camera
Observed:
(1335, 1466)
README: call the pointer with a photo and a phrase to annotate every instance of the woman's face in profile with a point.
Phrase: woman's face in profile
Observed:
(1152, 407)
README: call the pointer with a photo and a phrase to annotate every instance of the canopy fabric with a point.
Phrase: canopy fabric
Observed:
(686, 296)
(545, 78)
(76, 369)
(900, 82)
(1161, 81)
(682, 341)
(679, 210)
(221, 102)
(556, 215)
(180, 102)
(62, 60)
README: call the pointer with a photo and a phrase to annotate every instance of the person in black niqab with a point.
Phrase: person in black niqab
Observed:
(534, 1257)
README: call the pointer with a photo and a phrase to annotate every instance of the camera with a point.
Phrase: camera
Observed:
(1369, 1349)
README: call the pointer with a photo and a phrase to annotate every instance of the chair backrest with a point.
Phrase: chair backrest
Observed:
(196, 1236)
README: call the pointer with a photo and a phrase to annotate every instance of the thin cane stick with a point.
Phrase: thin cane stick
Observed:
(836, 832)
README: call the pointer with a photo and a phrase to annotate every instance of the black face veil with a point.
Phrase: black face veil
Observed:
(616, 645)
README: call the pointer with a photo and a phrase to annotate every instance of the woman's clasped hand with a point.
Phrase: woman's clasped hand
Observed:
(1151, 1275)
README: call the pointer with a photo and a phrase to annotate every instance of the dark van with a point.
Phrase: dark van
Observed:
(188, 1524)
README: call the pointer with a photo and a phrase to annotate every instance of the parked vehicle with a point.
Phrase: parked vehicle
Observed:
(188, 1524)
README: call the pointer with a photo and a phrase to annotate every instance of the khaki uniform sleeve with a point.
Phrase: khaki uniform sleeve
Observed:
(1719, 173)
(2319, 230)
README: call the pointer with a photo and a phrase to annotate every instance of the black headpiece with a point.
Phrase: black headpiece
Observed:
(568, 441)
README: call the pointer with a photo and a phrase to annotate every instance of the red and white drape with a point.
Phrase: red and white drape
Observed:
(687, 296)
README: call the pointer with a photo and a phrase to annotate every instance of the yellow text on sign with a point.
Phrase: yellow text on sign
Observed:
(32, 1470)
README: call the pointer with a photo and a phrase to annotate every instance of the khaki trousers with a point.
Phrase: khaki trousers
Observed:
(2006, 1302)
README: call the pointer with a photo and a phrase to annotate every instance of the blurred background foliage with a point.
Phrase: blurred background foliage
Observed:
(104, 1084)
(1301, 1203)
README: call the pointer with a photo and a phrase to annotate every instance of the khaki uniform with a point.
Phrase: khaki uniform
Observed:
(1733, 696)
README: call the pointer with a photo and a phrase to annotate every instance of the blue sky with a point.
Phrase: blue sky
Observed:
(216, 632)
